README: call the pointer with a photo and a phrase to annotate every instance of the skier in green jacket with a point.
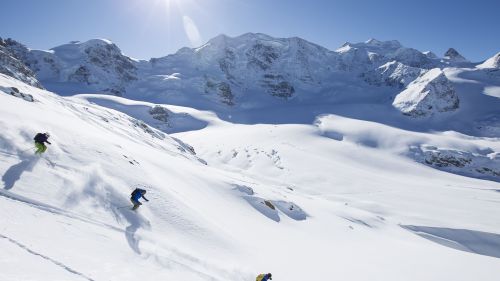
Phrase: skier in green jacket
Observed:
(40, 140)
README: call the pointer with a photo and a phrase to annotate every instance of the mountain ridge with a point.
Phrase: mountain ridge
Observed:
(253, 70)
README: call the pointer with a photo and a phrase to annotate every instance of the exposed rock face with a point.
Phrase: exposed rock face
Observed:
(454, 55)
(261, 56)
(429, 94)
(222, 89)
(486, 166)
(98, 64)
(159, 113)
(13, 91)
(232, 68)
(12, 64)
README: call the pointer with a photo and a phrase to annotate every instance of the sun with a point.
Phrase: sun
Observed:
(180, 4)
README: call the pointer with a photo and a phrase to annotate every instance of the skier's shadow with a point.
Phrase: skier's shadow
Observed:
(135, 223)
(93, 188)
(13, 174)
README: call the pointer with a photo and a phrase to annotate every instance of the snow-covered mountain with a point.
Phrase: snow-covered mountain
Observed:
(13, 62)
(251, 70)
(256, 71)
(96, 64)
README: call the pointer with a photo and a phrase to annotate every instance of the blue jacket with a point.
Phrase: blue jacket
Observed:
(263, 277)
(137, 194)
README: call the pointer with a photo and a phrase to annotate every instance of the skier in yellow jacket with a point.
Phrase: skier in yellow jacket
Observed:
(264, 277)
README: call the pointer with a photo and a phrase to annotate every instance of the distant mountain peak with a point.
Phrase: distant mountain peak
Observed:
(97, 42)
(430, 55)
(493, 62)
(383, 44)
(454, 55)
(373, 41)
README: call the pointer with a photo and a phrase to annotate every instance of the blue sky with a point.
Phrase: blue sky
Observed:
(154, 28)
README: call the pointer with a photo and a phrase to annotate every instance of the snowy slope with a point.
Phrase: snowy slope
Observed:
(493, 62)
(429, 94)
(348, 201)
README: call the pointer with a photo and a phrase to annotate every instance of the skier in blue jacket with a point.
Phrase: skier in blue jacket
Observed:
(135, 196)
(264, 277)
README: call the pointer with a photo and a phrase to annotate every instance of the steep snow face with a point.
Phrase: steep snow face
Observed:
(429, 94)
(411, 57)
(493, 62)
(96, 64)
(12, 57)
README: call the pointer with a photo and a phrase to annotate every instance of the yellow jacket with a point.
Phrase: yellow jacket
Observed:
(260, 277)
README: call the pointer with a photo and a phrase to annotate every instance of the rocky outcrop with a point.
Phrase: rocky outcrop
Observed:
(430, 94)
(485, 165)
(12, 54)
(97, 64)
(454, 56)
(13, 91)
(159, 113)
(222, 89)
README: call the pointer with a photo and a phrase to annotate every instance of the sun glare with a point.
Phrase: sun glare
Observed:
(181, 8)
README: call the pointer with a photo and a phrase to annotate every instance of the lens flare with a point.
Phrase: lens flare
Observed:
(192, 31)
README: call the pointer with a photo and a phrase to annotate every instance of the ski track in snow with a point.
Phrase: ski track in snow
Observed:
(60, 264)
(54, 210)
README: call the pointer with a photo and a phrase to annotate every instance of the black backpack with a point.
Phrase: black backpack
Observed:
(38, 137)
